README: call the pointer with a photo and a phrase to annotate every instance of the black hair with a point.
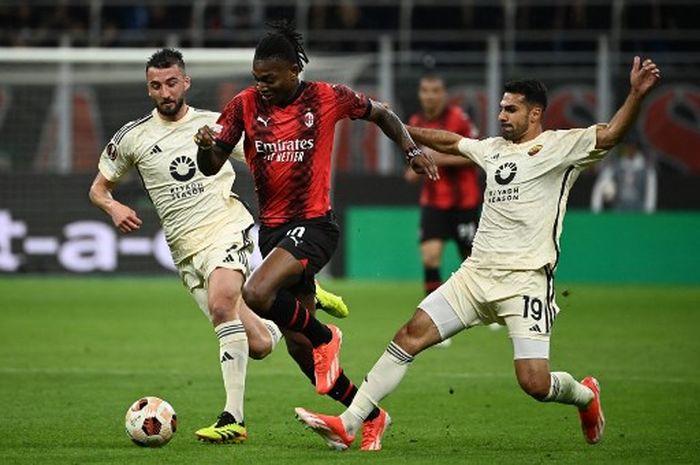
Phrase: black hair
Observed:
(165, 58)
(283, 42)
(433, 76)
(533, 90)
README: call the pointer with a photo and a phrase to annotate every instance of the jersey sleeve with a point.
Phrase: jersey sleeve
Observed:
(238, 153)
(578, 146)
(117, 158)
(232, 126)
(473, 149)
(350, 104)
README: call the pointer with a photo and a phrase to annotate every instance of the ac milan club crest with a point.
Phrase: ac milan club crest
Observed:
(309, 119)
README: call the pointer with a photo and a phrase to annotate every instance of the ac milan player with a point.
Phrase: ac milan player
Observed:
(288, 127)
(450, 205)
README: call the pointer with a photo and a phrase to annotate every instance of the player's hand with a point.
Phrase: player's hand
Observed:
(124, 218)
(411, 176)
(205, 137)
(644, 75)
(424, 163)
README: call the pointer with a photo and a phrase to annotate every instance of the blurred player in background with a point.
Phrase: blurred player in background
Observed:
(289, 125)
(450, 205)
(206, 226)
(627, 182)
(509, 276)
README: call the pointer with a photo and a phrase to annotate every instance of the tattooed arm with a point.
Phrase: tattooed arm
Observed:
(391, 125)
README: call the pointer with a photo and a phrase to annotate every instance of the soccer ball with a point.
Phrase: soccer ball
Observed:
(151, 422)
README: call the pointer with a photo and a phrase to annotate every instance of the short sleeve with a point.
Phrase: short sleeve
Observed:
(116, 158)
(473, 149)
(578, 146)
(350, 104)
(232, 126)
(238, 152)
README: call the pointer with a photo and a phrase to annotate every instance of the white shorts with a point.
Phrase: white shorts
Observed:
(231, 250)
(521, 300)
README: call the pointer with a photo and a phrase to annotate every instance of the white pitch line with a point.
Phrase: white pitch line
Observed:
(85, 371)
(121, 372)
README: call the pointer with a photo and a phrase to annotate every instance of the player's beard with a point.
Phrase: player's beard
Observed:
(512, 132)
(173, 110)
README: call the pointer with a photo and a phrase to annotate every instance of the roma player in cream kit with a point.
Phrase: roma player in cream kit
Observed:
(206, 227)
(509, 277)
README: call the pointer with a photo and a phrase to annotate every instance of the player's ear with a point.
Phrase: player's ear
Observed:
(294, 71)
(188, 82)
(536, 114)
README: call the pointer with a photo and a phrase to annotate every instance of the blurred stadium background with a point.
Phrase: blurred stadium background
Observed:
(71, 74)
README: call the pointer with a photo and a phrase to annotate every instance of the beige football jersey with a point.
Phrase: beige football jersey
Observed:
(527, 188)
(193, 208)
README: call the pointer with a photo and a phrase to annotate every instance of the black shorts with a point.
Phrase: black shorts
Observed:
(458, 224)
(311, 241)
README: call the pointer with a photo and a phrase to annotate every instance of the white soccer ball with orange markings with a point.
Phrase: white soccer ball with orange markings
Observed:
(151, 422)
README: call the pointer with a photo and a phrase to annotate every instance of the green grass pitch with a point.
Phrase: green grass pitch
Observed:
(76, 352)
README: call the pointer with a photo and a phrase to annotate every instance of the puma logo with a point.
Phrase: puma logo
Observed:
(264, 121)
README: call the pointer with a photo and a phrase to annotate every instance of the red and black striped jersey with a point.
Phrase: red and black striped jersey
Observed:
(458, 186)
(288, 149)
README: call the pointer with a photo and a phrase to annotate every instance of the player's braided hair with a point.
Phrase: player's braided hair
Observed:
(534, 91)
(283, 42)
(165, 58)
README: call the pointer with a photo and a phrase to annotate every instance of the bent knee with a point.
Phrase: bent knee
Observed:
(221, 310)
(256, 297)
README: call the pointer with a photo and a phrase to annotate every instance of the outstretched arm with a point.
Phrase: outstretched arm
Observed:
(210, 158)
(643, 76)
(450, 160)
(442, 160)
(124, 218)
(437, 139)
(395, 130)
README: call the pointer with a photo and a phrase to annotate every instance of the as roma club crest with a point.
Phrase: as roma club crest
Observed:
(534, 150)
(308, 119)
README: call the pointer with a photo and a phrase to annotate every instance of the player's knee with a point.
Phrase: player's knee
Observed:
(535, 386)
(221, 310)
(255, 296)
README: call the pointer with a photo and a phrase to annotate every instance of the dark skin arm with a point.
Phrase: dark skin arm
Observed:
(210, 158)
(391, 125)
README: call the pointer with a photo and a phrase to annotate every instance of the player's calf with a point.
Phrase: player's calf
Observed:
(533, 377)
(536, 387)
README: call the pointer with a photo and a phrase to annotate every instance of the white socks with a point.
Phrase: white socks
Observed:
(233, 354)
(382, 379)
(563, 388)
(274, 330)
